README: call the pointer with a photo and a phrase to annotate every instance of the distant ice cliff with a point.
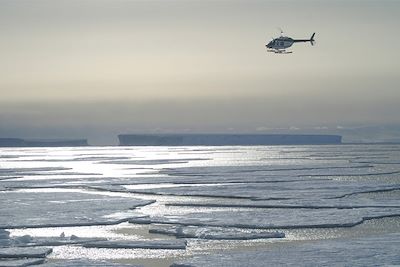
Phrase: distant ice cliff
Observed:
(225, 139)
(18, 142)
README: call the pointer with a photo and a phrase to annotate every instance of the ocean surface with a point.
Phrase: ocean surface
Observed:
(331, 205)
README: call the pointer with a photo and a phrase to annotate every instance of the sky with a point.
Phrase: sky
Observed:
(95, 69)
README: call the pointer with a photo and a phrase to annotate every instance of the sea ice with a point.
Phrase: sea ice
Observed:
(4, 238)
(273, 218)
(225, 194)
(365, 251)
(213, 233)
(259, 191)
(20, 262)
(85, 263)
(151, 161)
(144, 244)
(29, 241)
(30, 171)
(19, 252)
(51, 209)
(333, 203)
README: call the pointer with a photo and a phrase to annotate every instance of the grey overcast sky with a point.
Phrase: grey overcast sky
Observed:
(98, 68)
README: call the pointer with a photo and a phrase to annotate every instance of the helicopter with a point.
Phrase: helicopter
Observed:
(279, 45)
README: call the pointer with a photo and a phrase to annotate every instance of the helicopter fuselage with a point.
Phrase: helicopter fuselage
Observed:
(280, 43)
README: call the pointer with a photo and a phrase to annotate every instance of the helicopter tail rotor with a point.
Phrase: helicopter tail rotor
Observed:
(312, 41)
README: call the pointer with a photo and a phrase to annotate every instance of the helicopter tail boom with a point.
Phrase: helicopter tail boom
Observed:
(311, 40)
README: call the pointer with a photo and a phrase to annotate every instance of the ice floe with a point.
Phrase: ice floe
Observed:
(152, 162)
(86, 263)
(367, 251)
(6, 172)
(22, 252)
(24, 210)
(260, 191)
(29, 241)
(213, 233)
(273, 218)
(143, 244)
(20, 262)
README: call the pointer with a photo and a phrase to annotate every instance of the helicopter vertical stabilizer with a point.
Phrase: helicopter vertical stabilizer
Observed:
(312, 41)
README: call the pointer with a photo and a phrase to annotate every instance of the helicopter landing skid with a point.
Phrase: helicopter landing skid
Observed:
(280, 51)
